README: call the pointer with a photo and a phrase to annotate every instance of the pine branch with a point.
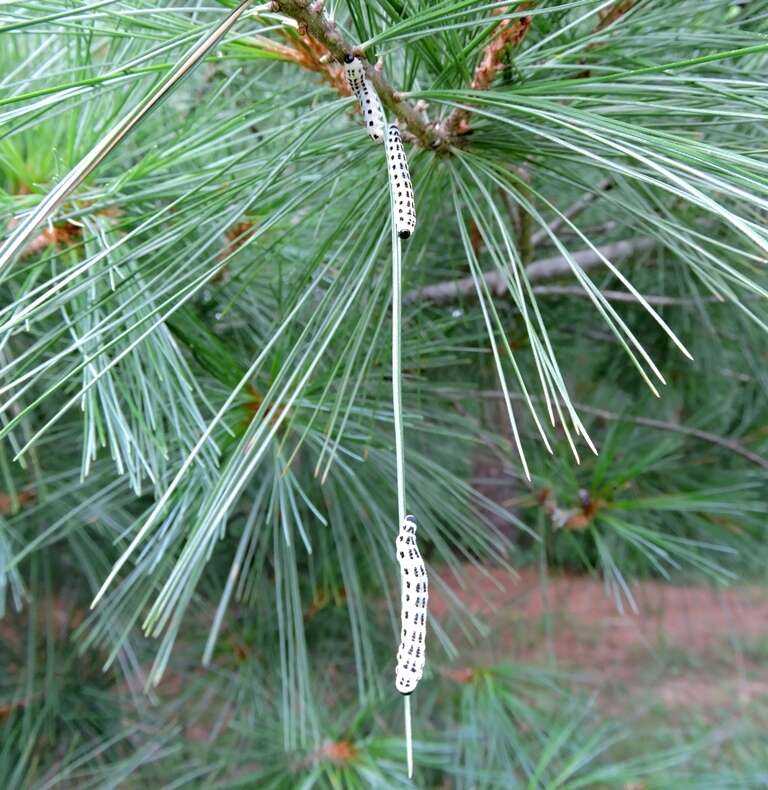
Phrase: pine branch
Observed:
(314, 22)
(543, 269)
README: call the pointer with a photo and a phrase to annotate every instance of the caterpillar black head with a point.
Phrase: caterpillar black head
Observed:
(366, 95)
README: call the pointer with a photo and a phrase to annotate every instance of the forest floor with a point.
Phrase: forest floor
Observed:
(688, 650)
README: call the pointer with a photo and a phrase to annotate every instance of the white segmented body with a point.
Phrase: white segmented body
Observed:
(403, 203)
(361, 86)
(413, 613)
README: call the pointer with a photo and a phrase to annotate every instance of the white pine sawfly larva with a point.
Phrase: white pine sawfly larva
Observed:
(414, 592)
(403, 204)
(363, 89)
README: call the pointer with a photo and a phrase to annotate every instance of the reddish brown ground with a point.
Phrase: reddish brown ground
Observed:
(686, 646)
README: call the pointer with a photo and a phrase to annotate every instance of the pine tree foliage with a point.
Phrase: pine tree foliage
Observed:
(197, 424)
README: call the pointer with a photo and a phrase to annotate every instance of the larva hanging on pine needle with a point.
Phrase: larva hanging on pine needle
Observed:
(414, 593)
(363, 89)
(403, 203)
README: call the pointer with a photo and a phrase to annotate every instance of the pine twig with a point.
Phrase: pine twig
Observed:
(607, 18)
(613, 14)
(521, 219)
(712, 438)
(732, 445)
(580, 205)
(508, 35)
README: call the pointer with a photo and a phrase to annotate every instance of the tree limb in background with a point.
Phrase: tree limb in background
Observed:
(732, 445)
(543, 269)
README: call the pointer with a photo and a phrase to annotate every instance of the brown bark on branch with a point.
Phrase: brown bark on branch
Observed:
(313, 22)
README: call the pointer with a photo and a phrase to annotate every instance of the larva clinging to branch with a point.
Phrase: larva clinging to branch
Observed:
(413, 614)
(366, 94)
(403, 203)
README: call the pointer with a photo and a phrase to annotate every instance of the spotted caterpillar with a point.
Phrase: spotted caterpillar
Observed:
(413, 614)
(403, 204)
(366, 94)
